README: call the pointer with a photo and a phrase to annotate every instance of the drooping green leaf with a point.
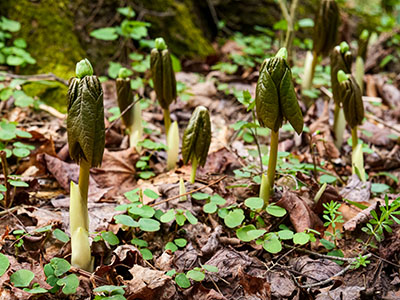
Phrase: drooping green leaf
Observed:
(4, 264)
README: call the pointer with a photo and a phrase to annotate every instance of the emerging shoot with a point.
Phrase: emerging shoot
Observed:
(325, 34)
(276, 100)
(197, 139)
(163, 78)
(353, 107)
(86, 138)
(173, 146)
(341, 59)
(132, 118)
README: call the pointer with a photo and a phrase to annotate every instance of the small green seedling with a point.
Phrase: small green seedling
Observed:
(341, 59)
(196, 139)
(110, 292)
(132, 118)
(324, 39)
(54, 272)
(86, 139)
(163, 78)
(353, 108)
(276, 100)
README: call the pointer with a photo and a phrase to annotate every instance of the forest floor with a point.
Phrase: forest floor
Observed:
(269, 254)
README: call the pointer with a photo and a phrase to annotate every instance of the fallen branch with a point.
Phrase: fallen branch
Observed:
(37, 77)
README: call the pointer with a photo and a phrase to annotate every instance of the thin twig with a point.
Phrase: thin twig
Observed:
(306, 286)
(88, 275)
(375, 118)
(125, 110)
(191, 192)
(49, 76)
(7, 199)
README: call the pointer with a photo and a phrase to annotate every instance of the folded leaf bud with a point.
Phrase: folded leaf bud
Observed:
(84, 68)
(275, 95)
(85, 121)
(125, 98)
(163, 75)
(197, 137)
(351, 97)
(341, 59)
(326, 27)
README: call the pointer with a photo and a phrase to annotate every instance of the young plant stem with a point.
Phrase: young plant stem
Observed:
(309, 69)
(7, 199)
(194, 169)
(354, 137)
(167, 120)
(136, 130)
(254, 133)
(266, 190)
(360, 72)
(339, 125)
(290, 19)
(79, 220)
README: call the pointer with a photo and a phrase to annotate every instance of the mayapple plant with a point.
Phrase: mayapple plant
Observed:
(353, 108)
(276, 100)
(324, 38)
(86, 139)
(361, 57)
(163, 78)
(173, 146)
(132, 118)
(197, 139)
(341, 59)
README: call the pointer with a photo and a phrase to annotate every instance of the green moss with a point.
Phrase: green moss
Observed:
(50, 92)
(182, 35)
(47, 27)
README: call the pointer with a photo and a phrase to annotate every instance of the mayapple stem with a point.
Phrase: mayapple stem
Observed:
(339, 125)
(182, 190)
(167, 120)
(136, 130)
(309, 69)
(79, 220)
(354, 137)
(194, 169)
(267, 187)
(173, 146)
(360, 72)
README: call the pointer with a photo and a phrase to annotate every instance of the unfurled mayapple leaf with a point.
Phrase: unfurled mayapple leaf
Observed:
(85, 121)
(326, 27)
(275, 95)
(125, 97)
(197, 136)
(162, 74)
(341, 59)
(350, 94)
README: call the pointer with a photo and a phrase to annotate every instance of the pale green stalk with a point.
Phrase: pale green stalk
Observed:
(360, 72)
(357, 157)
(79, 220)
(167, 120)
(182, 190)
(267, 188)
(194, 169)
(173, 146)
(339, 125)
(309, 69)
(136, 129)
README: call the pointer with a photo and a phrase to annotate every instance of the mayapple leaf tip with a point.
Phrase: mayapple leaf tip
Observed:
(160, 44)
(282, 53)
(364, 34)
(124, 73)
(342, 76)
(83, 68)
(344, 47)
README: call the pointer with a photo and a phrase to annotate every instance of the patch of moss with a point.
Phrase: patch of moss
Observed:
(179, 30)
(47, 26)
(50, 92)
